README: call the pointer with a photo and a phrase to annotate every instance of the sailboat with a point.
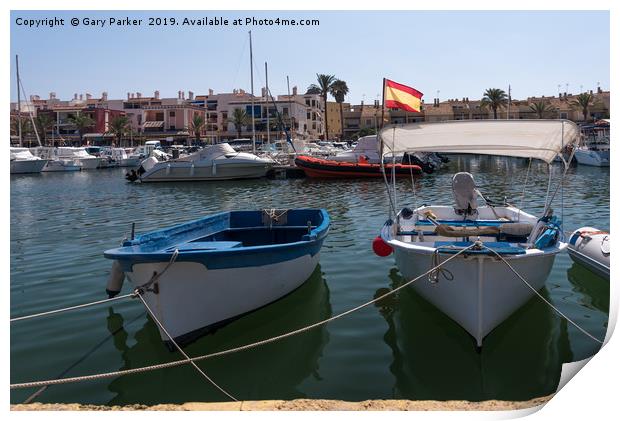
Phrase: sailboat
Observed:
(504, 254)
(22, 161)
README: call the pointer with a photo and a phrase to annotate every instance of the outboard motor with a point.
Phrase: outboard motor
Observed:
(465, 195)
(131, 176)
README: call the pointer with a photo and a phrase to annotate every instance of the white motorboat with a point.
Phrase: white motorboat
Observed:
(593, 153)
(118, 157)
(216, 162)
(501, 249)
(54, 162)
(24, 162)
(79, 155)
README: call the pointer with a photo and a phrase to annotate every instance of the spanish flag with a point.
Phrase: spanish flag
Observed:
(401, 96)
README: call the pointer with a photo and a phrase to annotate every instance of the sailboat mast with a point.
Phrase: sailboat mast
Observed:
(19, 103)
(252, 95)
(509, 101)
(267, 92)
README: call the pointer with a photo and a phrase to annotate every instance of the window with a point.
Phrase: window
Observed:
(285, 111)
(159, 116)
(308, 115)
(368, 122)
(172, 114)
(564, 116)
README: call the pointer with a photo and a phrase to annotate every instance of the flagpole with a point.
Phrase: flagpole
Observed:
(382, 116)
(383, 103)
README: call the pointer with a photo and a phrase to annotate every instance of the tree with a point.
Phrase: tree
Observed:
(339, 90)
(81, 122)
(366, 131)
(197, 125)
(239, 118)
(44, 123)
(541, 108)
(494, 98)
(313, 90)
(583, 102)
(119, 127)
(324, 84)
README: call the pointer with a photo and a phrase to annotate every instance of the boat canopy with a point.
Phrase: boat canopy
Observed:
(538, 139)
(210, 152)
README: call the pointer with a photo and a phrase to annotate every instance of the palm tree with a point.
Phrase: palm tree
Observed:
(81, 122)
(583, 101)
(339, 90)
(239, 118)
(324, 85)
(494, 98)
(541, 108)
(198, 124)
(313, 90)
(43, 122)
(119, 127)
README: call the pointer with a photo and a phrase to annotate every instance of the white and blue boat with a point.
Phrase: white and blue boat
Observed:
(500, 244)
(201, 274)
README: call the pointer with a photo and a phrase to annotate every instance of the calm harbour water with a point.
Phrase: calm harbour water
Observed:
(402, 348)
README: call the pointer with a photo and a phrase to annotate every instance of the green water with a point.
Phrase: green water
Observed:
(401, 348)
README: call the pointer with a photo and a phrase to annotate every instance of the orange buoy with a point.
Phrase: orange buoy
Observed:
(380, 247)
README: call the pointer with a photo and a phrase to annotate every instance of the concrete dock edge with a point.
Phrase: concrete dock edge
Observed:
(300, 405)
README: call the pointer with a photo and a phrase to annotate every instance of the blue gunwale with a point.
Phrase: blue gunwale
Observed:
(159, 245)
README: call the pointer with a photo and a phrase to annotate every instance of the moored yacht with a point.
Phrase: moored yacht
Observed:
(79, 155)
(216, 162)
(54, 162)
(24, 162)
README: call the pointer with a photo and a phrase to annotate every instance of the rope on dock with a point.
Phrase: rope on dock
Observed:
(541, 297)
(237, 349)
(46, 313)
(139, 293)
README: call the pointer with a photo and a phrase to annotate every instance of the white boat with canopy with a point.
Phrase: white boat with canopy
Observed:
(79, 155)
(216, 162)
(492, 258)
(24, 162)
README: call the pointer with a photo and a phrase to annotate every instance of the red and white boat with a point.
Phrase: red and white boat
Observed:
(325, 168)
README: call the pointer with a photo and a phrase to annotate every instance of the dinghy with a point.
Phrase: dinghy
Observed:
(201, 274)
(590, 247)
(477, 289)
(324, 168)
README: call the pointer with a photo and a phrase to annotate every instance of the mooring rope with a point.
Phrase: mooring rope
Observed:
(46, 313)
(541, 297)
(237, 349)
(154, 278)
(139, 293)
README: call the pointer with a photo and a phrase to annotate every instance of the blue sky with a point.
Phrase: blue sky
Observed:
(459, 53)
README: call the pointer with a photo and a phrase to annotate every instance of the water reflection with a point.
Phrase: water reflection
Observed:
(272, 371)
(434, 358)
(593, 288)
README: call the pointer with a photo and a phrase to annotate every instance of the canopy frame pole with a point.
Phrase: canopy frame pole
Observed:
(394, 168)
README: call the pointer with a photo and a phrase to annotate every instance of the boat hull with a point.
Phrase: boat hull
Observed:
(182, 171)
(592, 157)
(90, 163)
(61, 166)
(484, 291)
(204, 295)
(323, 168)
(30, 166)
